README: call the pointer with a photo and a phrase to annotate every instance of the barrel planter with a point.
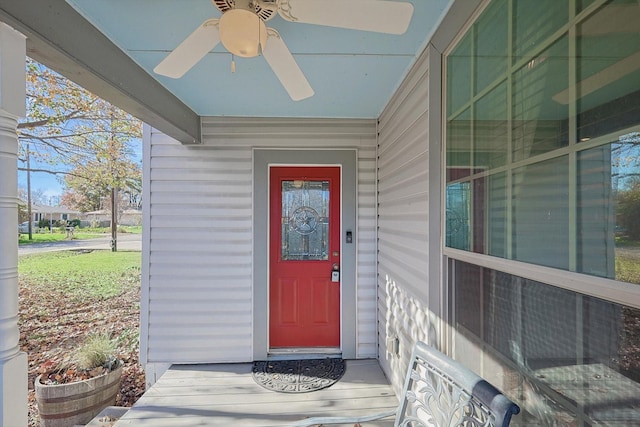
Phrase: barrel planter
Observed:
(66, 405)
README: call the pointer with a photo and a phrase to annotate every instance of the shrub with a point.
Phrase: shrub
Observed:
(97, 350)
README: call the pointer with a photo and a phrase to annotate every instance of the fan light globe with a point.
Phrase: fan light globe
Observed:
(242, 33)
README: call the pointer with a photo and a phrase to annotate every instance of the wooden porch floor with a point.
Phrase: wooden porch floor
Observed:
(225, 394)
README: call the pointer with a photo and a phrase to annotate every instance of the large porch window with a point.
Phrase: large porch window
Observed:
(568, 359)
(543, 168)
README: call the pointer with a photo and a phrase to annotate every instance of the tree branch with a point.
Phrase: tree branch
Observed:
(52, 172)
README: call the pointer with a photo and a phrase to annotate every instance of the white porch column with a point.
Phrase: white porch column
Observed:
(13, 362)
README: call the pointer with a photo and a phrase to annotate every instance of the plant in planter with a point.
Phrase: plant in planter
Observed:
(73, 393)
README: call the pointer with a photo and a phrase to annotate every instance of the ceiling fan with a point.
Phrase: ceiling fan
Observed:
(243, 32)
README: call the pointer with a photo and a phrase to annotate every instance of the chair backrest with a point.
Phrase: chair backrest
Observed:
(441, 392)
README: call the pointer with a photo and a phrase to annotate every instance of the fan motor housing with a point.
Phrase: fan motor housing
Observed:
(265, 9)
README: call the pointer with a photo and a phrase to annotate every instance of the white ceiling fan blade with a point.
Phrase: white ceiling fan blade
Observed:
(190, 51)
(285, 67)
(367, 15)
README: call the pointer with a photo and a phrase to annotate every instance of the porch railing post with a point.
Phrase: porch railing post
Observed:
(13, 362)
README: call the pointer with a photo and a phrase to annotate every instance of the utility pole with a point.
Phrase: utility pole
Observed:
(29, 194)
(114, 188)
(114, 220)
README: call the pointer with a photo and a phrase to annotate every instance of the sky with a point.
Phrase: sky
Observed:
(47, 183)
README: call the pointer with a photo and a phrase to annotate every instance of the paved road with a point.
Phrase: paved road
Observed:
(126, 242)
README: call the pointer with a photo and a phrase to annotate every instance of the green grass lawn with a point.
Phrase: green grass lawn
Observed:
(628, 269)
(78, 234)
(133, 229)
(54, 237)
(627, 260)
(96, 274)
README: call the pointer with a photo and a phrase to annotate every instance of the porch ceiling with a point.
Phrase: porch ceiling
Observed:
(111, 47)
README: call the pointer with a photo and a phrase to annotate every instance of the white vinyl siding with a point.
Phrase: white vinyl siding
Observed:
(403, 221)
(199, 288)
(367, 345)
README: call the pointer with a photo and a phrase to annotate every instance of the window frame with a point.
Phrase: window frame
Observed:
(624, 293)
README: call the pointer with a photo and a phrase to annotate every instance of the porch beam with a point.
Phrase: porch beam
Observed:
(60, 38)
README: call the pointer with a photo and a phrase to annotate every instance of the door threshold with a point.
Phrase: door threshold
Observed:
(293, 353)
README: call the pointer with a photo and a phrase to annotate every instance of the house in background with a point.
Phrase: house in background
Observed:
(459, 184)
(53, 213)
(102, 217)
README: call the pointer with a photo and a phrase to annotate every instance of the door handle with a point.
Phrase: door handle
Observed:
(335, 272)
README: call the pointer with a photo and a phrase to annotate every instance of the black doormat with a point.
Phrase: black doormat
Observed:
(298, 376)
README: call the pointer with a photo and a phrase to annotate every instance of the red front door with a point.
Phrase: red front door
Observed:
(304, 251)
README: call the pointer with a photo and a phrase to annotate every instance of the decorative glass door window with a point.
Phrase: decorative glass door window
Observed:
(305, 220)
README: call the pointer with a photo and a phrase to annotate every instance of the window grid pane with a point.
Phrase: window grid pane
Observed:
(567, 203)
